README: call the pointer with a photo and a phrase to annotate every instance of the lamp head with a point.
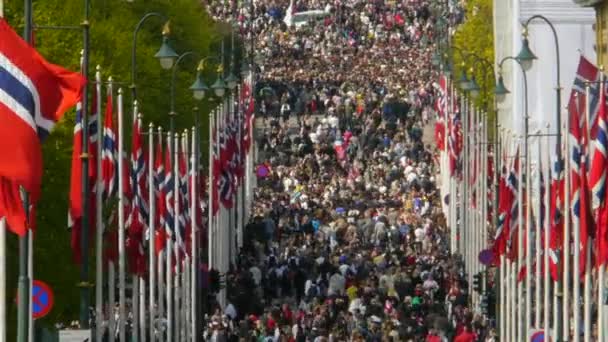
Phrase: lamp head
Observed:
(219, 87)
(166, 55)
(231, 81)
(500, 91)
(525, 56)
(199, 87)
(436, 59)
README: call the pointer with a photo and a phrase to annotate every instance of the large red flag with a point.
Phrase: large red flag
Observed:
(597, 181)
(34, 95)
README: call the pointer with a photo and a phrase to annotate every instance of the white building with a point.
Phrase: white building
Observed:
(574, 26)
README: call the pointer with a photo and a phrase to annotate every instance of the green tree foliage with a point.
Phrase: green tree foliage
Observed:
(111, 26)
(476, 37)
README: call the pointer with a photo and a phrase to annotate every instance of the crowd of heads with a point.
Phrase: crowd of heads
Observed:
(347, 241)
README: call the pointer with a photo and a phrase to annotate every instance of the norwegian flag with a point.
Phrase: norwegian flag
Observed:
(168, 185)
(556, 210)
(588, 74)
(75, 209)
(184, 217)
(248, 104)
(160, 234)
(513, 187)
(597, 180)
(441, 109)
(505, 202)
(578, 175)
(455, 143)
(138, 217)
(109, 159)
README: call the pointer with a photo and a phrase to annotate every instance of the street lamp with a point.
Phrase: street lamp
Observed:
(473, 87)
(525, 56)
(199, 87)
(166, 55)
(219, 87)
(500, 91)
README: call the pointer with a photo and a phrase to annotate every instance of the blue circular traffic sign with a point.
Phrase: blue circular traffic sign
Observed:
(42, 299)
(539, 336)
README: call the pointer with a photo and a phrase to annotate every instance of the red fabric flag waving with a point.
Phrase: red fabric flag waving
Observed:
(34, 95)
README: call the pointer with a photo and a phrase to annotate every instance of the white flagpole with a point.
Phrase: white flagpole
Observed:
(111, 301)
(2, 267)
(151, 232)
(183, 298)
(576, 274)
(135, 278)
(135, 306)
(99, 225)
(160, 309)
(601, 266)
(176, 211)
(537, 276)
(194, 234)
(161, 291)
(142, 309)
(169, 249)
(587, 285)
(566, 254)
(546, 279)
(210, 182)
(520, 306)
(121, 225)
(528, 238)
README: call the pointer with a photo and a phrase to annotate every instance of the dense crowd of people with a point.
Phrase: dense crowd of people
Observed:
(348, 241)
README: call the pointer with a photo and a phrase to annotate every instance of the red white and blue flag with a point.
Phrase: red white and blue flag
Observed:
(109, 161)
(160, 234)
(513, 187)
(577, 108)
(168, 185)
(597, 181)
(34, 95)
(76, 203)
(137, 220)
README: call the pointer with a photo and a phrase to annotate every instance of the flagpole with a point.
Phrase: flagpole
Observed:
(194, 232)
(176, 228)
(135, 306)
(587, 285)
(24, 282)
(576, 275)
(537, 232)
(566, 254)
(84, 239)
(520, 239)
(98, 218)
(169, 249)
(183, 301)
(537, 246)
(528, 232)
(210, 182)
(601, 265)
(142, 309)
(121, 225)
(160, 276)
(151, 231)
(546, 279)
(111, 301)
